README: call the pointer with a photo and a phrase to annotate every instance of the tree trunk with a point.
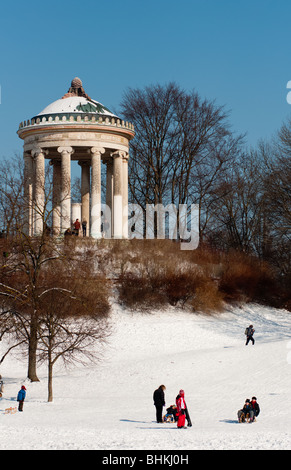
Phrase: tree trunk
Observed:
(32, 375)
(50, 380)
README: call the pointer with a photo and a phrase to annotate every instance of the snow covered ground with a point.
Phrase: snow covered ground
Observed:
(109, 405)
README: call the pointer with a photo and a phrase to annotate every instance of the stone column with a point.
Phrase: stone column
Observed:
(28, 194)
(39, 195)
(85, 193)
(125, 196)
(66, 153)
(117, 194)
(109, 189)
(57, 185)
(95, 228)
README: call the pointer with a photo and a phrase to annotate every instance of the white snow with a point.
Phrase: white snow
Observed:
(109, 405)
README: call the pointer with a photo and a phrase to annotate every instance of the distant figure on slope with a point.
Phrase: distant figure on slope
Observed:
(21, 397)
(159, 402)
(249, 334)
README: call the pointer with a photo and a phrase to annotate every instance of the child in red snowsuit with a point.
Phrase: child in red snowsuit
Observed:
(181, 409)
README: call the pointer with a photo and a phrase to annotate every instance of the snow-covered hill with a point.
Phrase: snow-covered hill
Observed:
(109, 405)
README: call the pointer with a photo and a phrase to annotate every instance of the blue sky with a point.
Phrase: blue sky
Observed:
(236, 52)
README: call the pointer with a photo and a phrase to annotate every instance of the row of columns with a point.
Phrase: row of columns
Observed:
(116, 191)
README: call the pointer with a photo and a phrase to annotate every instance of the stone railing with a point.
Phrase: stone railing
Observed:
(76, 118)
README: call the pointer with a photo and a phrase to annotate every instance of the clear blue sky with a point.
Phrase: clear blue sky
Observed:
(237, 52)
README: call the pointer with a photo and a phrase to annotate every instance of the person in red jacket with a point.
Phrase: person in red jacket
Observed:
(181, 409)
(77, 227)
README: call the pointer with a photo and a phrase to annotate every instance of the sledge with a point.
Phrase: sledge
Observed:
(168, 418)
(246, 418)
(10, 411)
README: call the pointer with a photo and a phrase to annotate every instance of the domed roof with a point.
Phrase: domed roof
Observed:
(76, 104)
(76, 101)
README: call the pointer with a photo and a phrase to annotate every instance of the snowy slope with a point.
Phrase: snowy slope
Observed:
(109, 405)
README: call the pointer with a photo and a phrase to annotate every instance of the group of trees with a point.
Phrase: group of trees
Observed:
(185, 152)
(53, 303)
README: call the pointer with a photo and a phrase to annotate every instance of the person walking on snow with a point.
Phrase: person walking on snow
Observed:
(21, 397)
(249, 334)
(181, 409)
(159, 402)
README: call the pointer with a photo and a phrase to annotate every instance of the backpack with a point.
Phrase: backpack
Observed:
(246, 331)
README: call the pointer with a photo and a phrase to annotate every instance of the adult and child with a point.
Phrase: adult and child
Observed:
(179, 412)
(249, 411)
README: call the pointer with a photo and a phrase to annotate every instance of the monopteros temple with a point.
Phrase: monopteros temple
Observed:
(77, 127)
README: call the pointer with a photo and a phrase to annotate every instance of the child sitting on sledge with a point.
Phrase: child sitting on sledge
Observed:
(171, 415)
(246, 413)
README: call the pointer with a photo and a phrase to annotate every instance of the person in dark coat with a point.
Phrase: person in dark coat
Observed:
(159, 402)
(249, 334)
(255, 406)
(21, 397)
(84, 228)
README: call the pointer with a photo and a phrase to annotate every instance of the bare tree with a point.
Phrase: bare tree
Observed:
(278, 207)
(26, 272)
(23, 274)
(74, 320)
(239, 211)
(53, 302)
(11, 194)
(181, 148)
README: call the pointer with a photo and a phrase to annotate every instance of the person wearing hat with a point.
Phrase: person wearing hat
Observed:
(255, 406)
(21, 397)
(181, 409)
(187, 415)
(247, 409)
